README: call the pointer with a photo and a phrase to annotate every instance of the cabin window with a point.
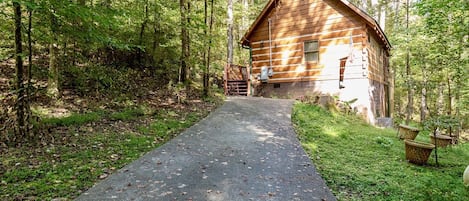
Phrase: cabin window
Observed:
(311, 49)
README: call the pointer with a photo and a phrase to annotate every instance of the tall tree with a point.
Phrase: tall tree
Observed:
(230, 33)
(185, 43)
(142, 32)
(53, 81)
(409, 80)
(30, 62)
(206, 78)
(20, 102)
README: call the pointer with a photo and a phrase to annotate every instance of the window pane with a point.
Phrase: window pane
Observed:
(312, 56)
(311, 46)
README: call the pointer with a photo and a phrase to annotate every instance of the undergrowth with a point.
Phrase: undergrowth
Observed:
(90, 151)
(361, 162)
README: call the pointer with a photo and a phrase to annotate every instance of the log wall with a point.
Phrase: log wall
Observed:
(297, 21)
(341, 33)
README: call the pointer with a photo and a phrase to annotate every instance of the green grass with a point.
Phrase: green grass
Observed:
(127, 114)
(361, 162)
(163, 127)
(65, 171)
(74, 119)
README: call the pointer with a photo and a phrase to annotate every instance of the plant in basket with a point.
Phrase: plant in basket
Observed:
(439, 124)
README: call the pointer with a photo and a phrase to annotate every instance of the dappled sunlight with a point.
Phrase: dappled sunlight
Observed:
(217, 195)
(312, 147)
(56, 112)
(355, 157)
(301, 68)
(264, 135)
(331, 131)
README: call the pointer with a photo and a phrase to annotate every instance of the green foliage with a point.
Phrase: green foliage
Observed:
(361, 162)
(441, 122)
(127, 114)
(437, 44)
(73, 119)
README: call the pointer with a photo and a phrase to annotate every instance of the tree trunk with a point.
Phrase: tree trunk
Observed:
(188, 47)
(53, 78)
(450, 95)
(30, 66)
(410, 91)
(205, 77)
(183, 71)
(396, 13)
(230, 32)
(142, 32)
(207, 73)
(245, 19)
(382, 16)
(440, 101)
(20, 103)
(423, 101)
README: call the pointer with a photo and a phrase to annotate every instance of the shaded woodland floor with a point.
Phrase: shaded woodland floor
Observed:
(105, 118)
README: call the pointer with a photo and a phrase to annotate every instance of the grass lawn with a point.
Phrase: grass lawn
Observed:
(361, 162)
(86, 148)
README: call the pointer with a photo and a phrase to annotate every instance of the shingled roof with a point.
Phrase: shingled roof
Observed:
(368, 19)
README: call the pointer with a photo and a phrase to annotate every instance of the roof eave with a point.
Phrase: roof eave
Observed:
(244, 40)
(371, 21)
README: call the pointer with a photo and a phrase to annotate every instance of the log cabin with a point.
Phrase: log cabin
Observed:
(331, 47)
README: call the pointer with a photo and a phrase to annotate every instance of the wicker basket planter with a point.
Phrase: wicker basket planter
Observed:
(441, 140)
(407, 132)
(417, 152)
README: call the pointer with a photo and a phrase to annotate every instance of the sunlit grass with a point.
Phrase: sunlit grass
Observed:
(72, 119)
(361, 162)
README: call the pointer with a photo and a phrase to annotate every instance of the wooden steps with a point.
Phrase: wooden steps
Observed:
(237, 88)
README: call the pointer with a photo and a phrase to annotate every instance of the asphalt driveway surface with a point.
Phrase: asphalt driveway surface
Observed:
(245, 150)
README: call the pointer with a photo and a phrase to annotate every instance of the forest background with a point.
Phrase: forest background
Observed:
(61, 56)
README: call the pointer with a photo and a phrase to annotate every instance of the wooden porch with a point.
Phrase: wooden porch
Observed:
(236, 80)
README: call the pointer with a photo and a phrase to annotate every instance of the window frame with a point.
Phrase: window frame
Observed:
(305, 52)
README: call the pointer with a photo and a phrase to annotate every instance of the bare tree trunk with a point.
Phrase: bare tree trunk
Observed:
(53, 81)
(205, 77)
(20, 120)
(142, 32)
(440, 101)
(423, 101)
(30, 66)
(245, 18)
(396, 13)
(410, 91)
(188, 39)
(450, 95)
(459, 86)
(207, 73)
(185, 48)
(230, 32)
(382, 15)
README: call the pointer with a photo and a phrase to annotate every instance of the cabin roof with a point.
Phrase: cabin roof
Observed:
(368, 19)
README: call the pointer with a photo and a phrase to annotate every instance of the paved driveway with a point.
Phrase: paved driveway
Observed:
(245, 150)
